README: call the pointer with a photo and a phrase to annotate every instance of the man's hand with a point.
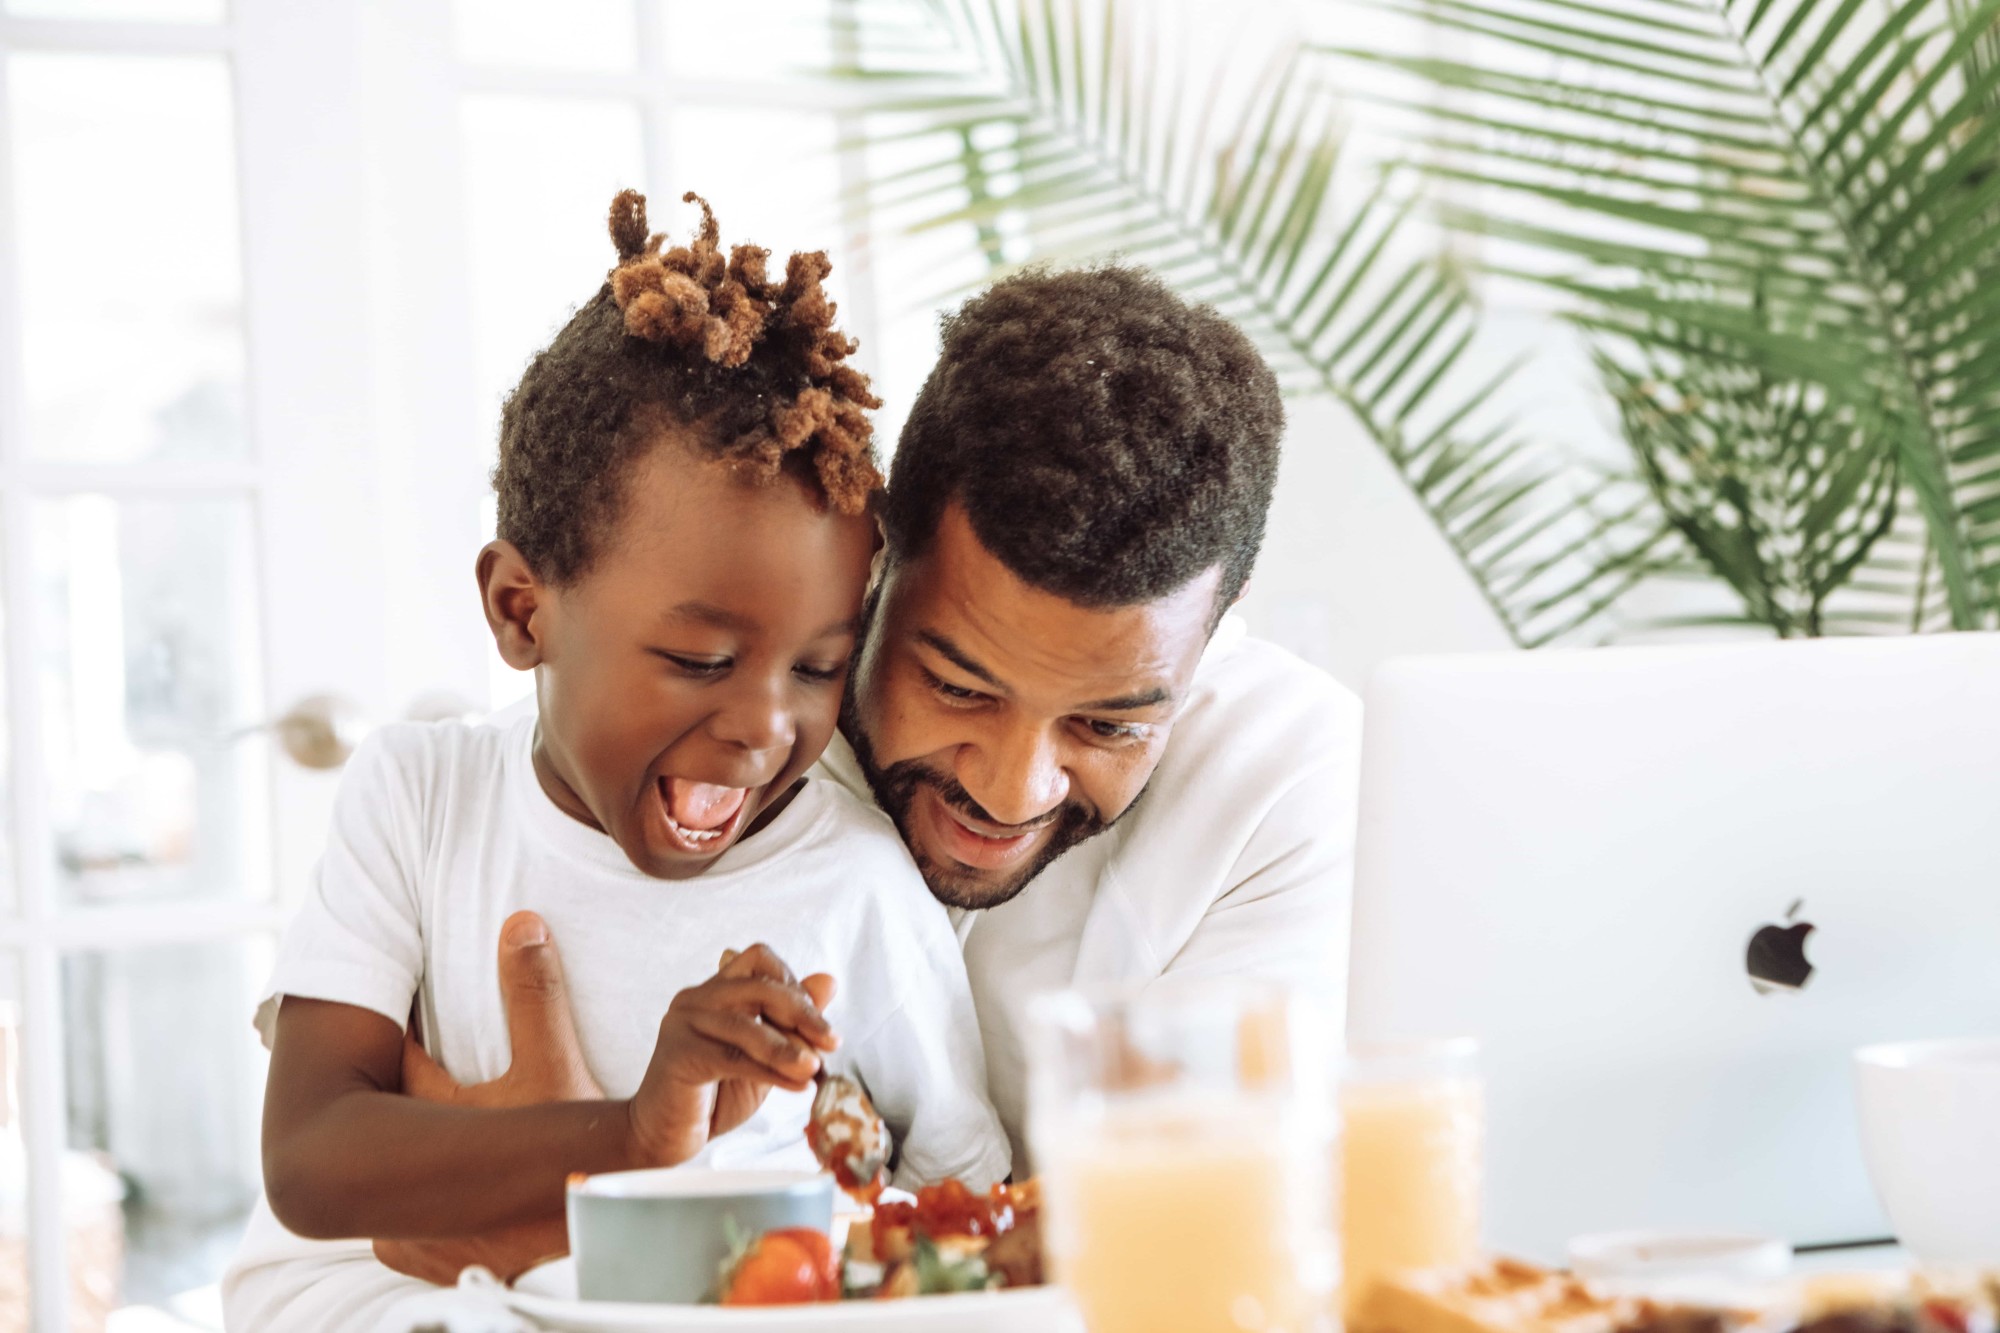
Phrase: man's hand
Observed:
(547, 1066)
(723, 1046)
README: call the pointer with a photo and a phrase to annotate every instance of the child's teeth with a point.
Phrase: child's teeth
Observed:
(692, 834)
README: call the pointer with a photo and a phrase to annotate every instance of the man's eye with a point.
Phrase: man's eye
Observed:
(957, 693)
(1111, 731)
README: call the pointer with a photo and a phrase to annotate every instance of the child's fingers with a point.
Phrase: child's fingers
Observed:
(821, 988)
(759, 960)
(741, 1039)
(787, 1006)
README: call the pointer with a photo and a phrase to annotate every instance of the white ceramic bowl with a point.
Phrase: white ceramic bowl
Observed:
(1930, 1127)
(663, 1235)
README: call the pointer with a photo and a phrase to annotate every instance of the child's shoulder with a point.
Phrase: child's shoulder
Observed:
(863, 842)
(427, 758)
(856, 826)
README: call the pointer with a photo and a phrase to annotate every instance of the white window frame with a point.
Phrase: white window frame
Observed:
(368, 456)
(307, 398)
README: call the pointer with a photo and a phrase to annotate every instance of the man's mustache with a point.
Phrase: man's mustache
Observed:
(956, 796)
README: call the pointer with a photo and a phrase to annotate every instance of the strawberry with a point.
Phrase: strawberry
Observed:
(794, 1266)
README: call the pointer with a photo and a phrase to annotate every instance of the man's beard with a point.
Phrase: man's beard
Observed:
(896, 788)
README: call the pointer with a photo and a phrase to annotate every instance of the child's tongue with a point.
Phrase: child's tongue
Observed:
(702, 805)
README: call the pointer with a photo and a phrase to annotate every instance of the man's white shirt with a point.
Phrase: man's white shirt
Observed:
(1237, 861)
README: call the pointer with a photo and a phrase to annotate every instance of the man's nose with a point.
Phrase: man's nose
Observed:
(1016, 778)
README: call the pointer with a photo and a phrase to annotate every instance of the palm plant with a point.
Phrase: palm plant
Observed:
(1109, 130)
(1779, 221)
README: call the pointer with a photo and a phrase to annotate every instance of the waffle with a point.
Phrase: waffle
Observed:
(1508, 1296)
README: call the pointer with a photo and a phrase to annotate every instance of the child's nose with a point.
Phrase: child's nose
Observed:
(756, 717)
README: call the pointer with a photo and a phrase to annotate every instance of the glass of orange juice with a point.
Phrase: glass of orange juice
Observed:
(1413, 1121)
(1182, 1138)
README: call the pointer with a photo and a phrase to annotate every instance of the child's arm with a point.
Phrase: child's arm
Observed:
(346, 1155)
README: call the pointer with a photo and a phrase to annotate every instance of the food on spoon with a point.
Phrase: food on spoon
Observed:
(847, 1136)
(793, 1266)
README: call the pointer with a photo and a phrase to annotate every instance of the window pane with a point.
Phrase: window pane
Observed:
(9, 901)
(131, 280)
(772, 177)
(540, 174)
(138, 11)
(149, 663)
(532, 34)
(165, 1079)
(697, 32)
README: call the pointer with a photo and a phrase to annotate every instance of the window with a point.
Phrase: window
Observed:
(266, 273)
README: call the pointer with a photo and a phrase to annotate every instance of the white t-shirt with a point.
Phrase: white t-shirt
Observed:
(1238, 861)
(441, 831)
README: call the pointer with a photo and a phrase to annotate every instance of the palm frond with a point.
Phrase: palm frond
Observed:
(1085, 129)
(1789, 210)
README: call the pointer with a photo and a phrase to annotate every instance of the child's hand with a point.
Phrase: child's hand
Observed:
(723, 1046)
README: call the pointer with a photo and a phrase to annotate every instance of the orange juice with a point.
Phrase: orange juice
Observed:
(1194, 1218)
(1411, 1168)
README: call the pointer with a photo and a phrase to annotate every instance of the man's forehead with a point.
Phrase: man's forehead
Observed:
(964, 604)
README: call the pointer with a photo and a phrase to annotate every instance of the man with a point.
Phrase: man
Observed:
(1084, 753)
(1091, 762)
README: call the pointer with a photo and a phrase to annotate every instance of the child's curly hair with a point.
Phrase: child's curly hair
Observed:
(752, 369)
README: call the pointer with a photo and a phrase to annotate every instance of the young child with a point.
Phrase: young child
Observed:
(684, 545)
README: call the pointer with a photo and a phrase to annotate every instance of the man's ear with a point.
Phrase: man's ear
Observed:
(878, 560)
(516, 604)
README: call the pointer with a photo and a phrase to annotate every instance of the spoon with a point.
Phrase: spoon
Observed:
(844, 1129)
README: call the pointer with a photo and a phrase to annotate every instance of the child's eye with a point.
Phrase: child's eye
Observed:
(696, 666)
(820, 675)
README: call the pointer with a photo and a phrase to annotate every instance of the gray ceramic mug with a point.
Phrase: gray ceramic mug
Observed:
(662, 1235)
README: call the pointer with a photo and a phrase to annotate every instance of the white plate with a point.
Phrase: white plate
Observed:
(548, 1296)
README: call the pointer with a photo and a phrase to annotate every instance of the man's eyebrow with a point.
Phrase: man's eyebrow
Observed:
(1126, 703)
(957, 656)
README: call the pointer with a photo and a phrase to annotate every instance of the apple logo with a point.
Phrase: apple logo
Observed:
(1777, 956)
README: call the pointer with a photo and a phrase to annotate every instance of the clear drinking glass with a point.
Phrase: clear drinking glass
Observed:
(1184, 1139)
(1413, 1121)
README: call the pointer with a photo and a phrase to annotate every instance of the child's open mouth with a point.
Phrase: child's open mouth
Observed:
(700, 816)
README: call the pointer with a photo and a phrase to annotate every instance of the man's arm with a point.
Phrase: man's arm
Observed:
(345, 1154)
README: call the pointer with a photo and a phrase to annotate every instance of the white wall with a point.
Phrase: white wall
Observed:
(1353, 570)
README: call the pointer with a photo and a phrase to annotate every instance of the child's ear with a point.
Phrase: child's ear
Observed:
(516, 604)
